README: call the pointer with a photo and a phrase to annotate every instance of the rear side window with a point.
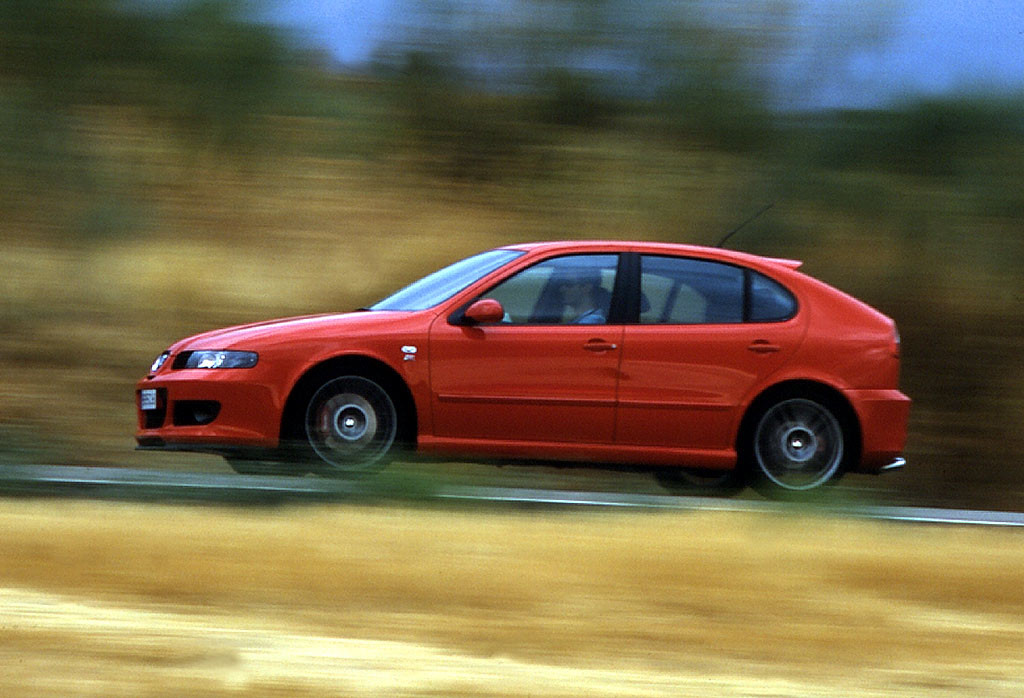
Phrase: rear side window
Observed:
(770, 301)
(682, 291)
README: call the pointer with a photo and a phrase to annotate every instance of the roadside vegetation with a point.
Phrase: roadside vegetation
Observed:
(171, 167)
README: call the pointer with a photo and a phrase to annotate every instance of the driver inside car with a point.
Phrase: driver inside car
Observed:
(585, 299)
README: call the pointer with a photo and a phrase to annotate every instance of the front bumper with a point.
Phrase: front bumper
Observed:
(248, 413)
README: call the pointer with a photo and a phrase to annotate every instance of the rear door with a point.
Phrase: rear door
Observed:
(707, 333)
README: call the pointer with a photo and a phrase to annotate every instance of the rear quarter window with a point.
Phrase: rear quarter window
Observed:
(770, 301)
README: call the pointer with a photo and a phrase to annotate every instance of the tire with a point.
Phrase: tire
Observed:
(798, 445)
(708, 483)
(351, 425)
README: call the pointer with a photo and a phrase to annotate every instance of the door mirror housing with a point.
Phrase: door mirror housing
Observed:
(483, 311)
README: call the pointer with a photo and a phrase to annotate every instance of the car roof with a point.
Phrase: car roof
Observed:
(642, 247)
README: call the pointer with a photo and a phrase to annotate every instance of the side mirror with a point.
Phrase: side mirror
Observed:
(484, 311)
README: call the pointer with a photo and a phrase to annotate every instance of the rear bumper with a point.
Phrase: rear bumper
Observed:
(883, 416)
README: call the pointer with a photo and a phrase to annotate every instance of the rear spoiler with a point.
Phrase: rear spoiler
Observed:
(790, 263)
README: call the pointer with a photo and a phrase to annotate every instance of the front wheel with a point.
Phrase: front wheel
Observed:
(351, 424)
(798, 445)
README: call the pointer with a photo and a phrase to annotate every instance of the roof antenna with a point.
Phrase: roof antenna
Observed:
(741, 225)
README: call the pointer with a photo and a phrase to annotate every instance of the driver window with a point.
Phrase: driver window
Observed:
(576, 289)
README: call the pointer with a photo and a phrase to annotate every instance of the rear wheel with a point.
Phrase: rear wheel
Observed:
(798, 445)
(351, 424)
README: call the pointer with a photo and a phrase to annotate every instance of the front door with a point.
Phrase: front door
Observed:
(547, 372)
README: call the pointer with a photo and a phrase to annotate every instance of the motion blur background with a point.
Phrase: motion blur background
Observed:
(169, 167)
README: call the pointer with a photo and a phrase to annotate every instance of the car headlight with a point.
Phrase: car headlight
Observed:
(221, 359)
(159, 362)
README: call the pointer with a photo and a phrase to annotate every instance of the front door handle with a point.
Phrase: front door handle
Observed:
(763, 346)
(599, 345)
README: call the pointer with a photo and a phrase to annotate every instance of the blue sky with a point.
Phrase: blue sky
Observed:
(931, 46)
(942, 46)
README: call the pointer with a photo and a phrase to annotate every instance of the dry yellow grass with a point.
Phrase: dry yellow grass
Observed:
(104, 600)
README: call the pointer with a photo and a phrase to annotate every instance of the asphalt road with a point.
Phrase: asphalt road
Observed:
(155, 485)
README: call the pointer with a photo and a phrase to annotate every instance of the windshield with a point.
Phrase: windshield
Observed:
(445, 283)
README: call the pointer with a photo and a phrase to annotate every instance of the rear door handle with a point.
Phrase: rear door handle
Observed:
(599, 345)
(763, 346)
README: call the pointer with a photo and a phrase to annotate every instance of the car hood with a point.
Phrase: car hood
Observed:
(258, 334)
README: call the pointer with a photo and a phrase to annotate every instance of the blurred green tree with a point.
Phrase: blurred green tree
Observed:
(200, 65)
(584, 62)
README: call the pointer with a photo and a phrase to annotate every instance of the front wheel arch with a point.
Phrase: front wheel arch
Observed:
(294, 412)
(824, 394)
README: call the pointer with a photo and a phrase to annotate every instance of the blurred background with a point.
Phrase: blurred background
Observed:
(169, 167)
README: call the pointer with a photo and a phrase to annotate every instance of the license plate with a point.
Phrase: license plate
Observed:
(147, 400)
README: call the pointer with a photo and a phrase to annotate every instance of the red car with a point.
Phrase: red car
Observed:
(710, 367)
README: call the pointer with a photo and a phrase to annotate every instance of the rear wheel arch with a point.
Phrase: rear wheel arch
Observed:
(827, 395)
(293, 414)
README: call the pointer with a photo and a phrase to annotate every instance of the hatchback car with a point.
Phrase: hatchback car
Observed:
(709, 367)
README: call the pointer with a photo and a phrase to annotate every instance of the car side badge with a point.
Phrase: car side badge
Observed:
(410, 352)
